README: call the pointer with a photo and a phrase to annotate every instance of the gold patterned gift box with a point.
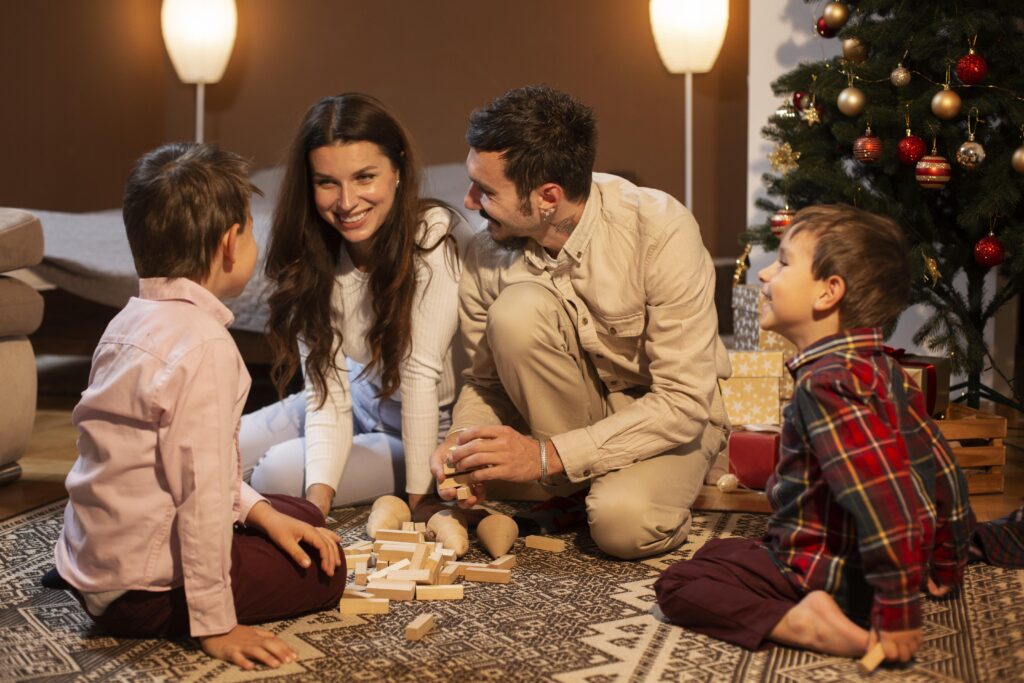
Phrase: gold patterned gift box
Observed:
(752, 394)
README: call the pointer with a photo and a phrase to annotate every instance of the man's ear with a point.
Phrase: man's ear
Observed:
(832, 291)
(228, 243)
(550, 196)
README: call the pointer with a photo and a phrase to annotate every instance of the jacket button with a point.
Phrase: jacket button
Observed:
(586, 320)
(586, 473)
(612, 330)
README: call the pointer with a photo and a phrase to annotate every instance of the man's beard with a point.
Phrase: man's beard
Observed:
(511, 244)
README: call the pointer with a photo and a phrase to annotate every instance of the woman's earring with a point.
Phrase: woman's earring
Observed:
(398, 181)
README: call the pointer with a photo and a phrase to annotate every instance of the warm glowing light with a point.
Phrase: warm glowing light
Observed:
(199, 35)
(689, 33)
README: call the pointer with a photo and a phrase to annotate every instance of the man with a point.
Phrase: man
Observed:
(587, 310)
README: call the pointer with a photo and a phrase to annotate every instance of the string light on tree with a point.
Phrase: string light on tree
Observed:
(1018, 156)
(970, 154)
(972, 68)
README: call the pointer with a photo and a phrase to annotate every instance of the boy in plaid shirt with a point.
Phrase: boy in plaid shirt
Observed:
(869, 506)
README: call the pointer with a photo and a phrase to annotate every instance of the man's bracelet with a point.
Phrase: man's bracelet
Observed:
(543, 461)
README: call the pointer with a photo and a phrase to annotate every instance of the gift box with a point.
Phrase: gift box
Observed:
(931, 374)
(753, 456)
(745, 317)
(751, 400)
(756, 363)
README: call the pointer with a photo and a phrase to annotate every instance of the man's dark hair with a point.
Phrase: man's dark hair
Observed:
(179, 201)
(544, 136)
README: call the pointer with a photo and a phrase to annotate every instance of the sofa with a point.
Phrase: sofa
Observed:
(21, 311)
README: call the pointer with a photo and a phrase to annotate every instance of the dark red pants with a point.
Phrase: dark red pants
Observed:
(266, 583)
(731, 590)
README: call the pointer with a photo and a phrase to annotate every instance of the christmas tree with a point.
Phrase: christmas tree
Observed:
(921, 119)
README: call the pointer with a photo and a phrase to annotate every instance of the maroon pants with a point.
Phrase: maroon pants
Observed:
(731, 590)
(266, 583)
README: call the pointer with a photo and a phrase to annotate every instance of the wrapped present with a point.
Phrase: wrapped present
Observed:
(931, 374)
(756, 363)
(751, 400)
(753, 456)
(746, 315)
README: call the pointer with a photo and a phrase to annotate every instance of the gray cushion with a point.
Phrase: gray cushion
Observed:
(21, 239)
(21, 308)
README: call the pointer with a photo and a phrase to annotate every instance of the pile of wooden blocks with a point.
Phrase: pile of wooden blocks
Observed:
(403, 565)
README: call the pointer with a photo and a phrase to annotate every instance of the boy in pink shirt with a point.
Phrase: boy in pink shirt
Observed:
(161, 536)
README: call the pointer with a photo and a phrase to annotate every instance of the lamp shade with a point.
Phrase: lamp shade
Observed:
(689, 33)
(199, 35)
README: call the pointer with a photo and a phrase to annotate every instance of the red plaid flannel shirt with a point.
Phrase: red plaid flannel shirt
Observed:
(868, 500)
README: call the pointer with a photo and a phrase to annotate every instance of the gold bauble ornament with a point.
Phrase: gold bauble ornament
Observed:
(835, 15)
(854, 50)
(946, 104)
(851, 101)
(900, 76)
(1018, 160)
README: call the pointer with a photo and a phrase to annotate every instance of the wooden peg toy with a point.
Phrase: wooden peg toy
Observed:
(497, 533)
(388, 512)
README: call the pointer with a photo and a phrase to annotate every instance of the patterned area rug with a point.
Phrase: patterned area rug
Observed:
(574, 616)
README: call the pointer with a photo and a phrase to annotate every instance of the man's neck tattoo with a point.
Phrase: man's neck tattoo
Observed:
(565, 226)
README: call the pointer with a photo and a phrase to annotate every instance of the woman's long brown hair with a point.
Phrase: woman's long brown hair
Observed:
(304, 251)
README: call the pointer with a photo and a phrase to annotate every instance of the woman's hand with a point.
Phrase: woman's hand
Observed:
(899, 646)
(286, 532)
(322, 496)
(245, 646)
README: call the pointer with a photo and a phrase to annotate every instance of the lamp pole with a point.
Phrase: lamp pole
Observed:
(200, 108)
(688, 141)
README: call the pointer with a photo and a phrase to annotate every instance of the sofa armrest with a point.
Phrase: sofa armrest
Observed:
(21, 239)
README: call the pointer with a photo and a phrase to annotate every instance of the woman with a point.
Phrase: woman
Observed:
(365, 277)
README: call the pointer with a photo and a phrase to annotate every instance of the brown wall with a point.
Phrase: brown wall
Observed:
(90, 88)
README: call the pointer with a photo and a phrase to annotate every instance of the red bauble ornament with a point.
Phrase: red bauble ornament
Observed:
(989, 251)
(780, 220)
(971, 69)
(867, 148)
(911, 149)
(932, 172)
(824, 30)
(799, 100)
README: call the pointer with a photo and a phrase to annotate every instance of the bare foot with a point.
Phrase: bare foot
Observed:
(817, 623)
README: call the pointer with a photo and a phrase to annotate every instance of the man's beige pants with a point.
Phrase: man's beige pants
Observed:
(642, 509)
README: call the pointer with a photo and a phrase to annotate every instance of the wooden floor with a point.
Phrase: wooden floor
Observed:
(52, 451)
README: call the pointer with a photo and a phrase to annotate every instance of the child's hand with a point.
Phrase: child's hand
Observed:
(898, 645)
(286, 533)
(937, 591)
(244, 644)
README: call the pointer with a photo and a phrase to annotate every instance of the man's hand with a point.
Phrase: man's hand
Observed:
(322, 496)
(437, 460)
(286, 532)
(898, 645)
(245, 646)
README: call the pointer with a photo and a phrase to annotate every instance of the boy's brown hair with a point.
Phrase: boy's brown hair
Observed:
(179, 201)
(868, 251)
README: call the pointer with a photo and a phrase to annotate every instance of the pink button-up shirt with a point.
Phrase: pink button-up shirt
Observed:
(157, 484)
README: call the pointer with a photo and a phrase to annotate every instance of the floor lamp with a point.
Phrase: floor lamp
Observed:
(689, 36)
(199, 35)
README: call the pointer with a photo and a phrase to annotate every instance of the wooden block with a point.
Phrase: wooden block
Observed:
(363, 605)
(552, 545)
(385, 536)
(414, 575)
(354, 592)
(407, 526)
(447, 553)
(353, 560)
(463, 493)
(395, 590)
(449, 573)
(452, 592)
(872, 659)
(419, 627)
(361, 574)
(503, 562)
(486, 574)
(419, 556)
(383, 572)
(395, 553)
(379, 564)
(421, 527)
(358, 548)
(448, 483)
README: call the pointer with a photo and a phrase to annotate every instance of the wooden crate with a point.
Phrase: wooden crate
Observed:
(977, 441)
